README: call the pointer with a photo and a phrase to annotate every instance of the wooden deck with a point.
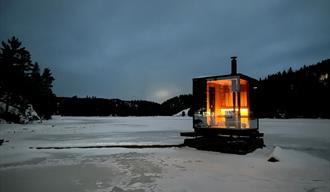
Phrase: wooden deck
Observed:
(236, 141)
(233, 145)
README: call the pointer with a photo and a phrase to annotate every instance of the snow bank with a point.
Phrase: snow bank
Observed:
(275, 155)
(20, 114)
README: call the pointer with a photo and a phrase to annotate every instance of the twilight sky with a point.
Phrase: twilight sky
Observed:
(151, 49)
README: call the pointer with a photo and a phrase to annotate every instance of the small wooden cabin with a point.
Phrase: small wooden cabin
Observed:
(225, 104)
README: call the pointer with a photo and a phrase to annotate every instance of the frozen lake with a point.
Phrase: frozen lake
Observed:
(304, 164)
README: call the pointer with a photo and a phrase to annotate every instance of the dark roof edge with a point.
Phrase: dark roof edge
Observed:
(229, 75)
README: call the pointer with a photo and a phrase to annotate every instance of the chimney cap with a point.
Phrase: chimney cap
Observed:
(233, 57)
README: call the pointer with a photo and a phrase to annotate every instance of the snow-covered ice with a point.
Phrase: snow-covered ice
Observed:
(304, 157)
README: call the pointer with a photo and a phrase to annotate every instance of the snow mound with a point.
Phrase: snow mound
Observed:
(18, 114)
(183, 113)
(31, 114)
(275, 155)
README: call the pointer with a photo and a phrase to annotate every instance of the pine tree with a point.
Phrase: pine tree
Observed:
(21, 82)
(48, 98)
(15, 63)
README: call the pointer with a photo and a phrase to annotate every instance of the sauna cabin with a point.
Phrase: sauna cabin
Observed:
(225, 103)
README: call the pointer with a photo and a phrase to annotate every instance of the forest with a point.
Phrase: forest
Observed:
(303, 93)
(92, 106)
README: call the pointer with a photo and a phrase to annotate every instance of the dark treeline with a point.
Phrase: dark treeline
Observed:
(92, 106)
(22, 82)
(301, 93)
(286, 94)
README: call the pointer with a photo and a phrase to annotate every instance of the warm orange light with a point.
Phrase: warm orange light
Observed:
(222, 99)
(225, 112)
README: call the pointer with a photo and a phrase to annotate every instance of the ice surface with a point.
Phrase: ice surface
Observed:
(303, 166)
(309, 135)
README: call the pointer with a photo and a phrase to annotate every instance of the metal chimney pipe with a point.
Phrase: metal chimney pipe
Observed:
(233, 65)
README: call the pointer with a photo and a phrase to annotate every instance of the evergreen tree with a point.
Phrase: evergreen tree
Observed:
(15, 64)
(47, 80)
(21, 82)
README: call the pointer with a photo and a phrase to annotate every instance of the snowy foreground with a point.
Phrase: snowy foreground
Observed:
(304, 157)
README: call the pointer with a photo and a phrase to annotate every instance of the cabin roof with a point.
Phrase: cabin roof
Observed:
(215, 77)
